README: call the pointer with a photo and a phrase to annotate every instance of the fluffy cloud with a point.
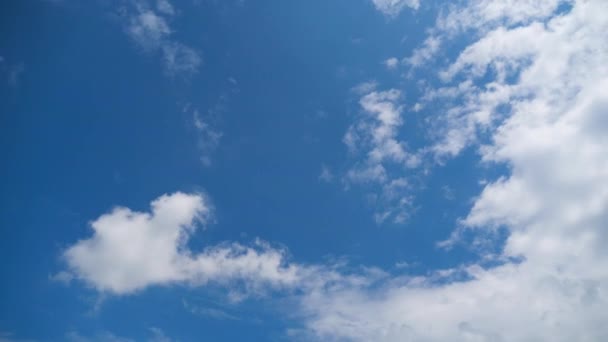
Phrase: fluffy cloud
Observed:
(131, 250)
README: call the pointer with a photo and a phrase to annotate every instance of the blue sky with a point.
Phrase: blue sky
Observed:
(369, 170)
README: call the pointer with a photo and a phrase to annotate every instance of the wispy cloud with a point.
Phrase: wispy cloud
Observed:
(373, 141)
(207, 123)
(208, 137)
(149, 28)
(392, 8)
(326, 175)
(209, 312)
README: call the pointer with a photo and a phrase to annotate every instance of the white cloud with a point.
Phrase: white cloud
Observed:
(392, 8)
(374, 140)
(553, 281)
(481, 16)
(391, 63)
(365, 87)
(486, 14)
(525, 61)
(180, 59)
(151, 31)
(148, 29)
(129, 251)
(423, 54)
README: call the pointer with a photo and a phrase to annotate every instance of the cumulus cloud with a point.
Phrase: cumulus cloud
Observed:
(392, 8)
(536, 61)
(131, 250)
